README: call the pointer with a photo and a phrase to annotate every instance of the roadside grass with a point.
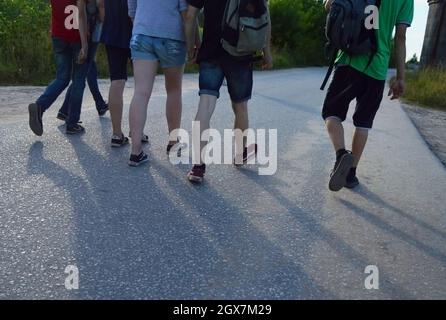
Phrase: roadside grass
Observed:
(427, 88)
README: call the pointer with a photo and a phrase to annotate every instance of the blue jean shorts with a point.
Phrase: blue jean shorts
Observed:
(238, 74)
(170, 53)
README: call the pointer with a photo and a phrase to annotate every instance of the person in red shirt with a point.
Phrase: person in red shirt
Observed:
(70, 46)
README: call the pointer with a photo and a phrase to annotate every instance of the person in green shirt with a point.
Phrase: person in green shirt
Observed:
(356, 77)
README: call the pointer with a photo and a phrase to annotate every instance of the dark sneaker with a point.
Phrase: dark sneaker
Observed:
(102, 110)
(35, 119)
(117, 141)
(338, 177)
(248, 153)
(196, 175)
(137, 160)
(61, 116)
(76, 129)
(352, 180)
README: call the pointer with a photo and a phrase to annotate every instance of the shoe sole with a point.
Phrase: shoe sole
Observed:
(137, 164)
(194, 179)
(119, 145)
(352, 185)
(74, 132)
(34, 123)
(245, 161)
(339, 178)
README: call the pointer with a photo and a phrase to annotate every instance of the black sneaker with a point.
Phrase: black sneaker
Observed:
(117, 141)
(338, 177)
(352, 180)
(76, 129)
(102, 110)
(35, 118)
(61, 116)
(137, 160)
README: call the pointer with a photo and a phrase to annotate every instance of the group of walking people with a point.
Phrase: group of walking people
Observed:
(151, 33)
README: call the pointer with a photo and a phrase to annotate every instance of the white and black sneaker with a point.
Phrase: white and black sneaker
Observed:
(137, 160)
(119, 141)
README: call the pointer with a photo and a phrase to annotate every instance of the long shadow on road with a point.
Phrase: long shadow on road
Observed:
(132, 240)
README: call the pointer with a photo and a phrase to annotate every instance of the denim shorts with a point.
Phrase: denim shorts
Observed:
(170, 53)
(238, 74)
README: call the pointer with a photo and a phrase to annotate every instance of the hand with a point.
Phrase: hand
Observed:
(397, 89)
(83, 54)
(268, 62)
(192, 55)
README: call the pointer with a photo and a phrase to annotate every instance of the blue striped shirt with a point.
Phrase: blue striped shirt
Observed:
(158, 18)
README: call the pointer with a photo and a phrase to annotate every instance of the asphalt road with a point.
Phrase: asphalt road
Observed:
(148, 233)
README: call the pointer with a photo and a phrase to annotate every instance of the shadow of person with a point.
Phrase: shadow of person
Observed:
(254, 266)
(369, 195)
(311, 221)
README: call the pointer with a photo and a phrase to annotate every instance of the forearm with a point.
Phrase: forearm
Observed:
(400, 53)
(83, 24)
(191, 29)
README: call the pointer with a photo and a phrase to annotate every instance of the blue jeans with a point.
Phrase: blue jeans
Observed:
(92, 80)
(66, 55)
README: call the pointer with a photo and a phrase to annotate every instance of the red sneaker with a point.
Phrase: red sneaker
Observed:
(197, 173)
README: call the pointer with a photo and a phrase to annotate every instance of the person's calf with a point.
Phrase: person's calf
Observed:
(335, 130)
(360, 137)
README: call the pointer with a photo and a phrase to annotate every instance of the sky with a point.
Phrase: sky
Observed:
(415, 34)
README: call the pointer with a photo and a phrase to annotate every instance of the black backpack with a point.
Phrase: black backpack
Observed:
(346, 30)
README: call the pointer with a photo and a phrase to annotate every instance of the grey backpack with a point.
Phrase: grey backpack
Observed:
(245, 26)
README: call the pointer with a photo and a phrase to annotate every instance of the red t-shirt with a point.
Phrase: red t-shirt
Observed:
(61, 14)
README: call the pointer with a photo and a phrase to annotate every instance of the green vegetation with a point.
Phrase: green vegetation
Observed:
(26, 54)
(427, 87)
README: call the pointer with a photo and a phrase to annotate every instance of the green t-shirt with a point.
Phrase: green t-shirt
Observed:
(391, 13)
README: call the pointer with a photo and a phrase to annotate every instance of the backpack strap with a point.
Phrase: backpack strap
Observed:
(330, 69)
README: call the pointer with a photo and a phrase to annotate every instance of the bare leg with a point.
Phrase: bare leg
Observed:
(336, 133)
(241, 121)
(358, 144)
(174, 103)
(115, 104)
(145, 73)
(205, 110)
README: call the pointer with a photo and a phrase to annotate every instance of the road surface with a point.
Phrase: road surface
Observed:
(147, 233)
